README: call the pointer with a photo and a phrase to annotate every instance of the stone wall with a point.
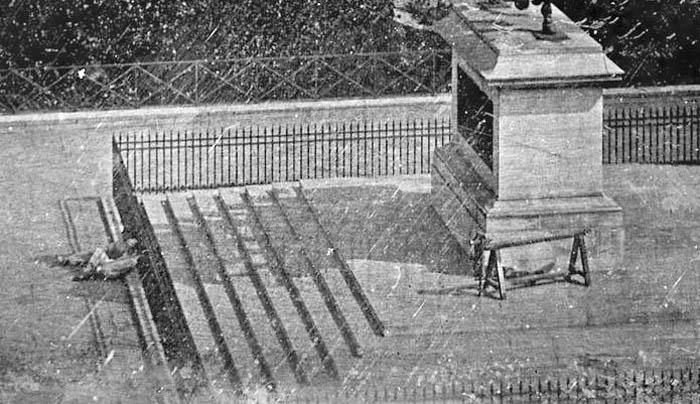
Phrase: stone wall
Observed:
(651, 97)
(70, 154)
(545, 139)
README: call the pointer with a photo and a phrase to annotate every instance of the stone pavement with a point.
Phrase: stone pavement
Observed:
(64, 341)
(641, 314)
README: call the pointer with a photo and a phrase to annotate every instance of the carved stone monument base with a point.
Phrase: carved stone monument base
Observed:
(463, 198)
(525, 155)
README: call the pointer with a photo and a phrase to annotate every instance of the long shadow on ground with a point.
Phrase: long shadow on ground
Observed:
(388, 224)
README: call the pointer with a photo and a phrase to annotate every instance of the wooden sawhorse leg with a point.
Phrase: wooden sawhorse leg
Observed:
(487, 280)
(579, 246)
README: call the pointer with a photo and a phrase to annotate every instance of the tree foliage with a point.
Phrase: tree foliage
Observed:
(294, 27)
(655, 41)
(60, 32)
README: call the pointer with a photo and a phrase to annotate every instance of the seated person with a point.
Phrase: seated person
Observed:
(110, 262)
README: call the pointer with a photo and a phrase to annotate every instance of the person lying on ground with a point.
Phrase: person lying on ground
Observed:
(110, 262)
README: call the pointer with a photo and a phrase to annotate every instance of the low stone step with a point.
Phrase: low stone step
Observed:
(303, 314)
(232, 198)
(223, 303)
(246, 364)
(358, 313)
(92, 223)
(205, 202)
(155, 212)
(258, 193)
(260, 322)
(252, 246)
(258, 258)
(196, 243)
(206, 263)
(206, 346)
(246, 232)
(315, 290)
(255, 283)
(198, 311)
(284, 191)
(308, 230)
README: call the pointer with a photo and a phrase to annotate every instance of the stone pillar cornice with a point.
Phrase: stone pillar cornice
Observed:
(498, 48)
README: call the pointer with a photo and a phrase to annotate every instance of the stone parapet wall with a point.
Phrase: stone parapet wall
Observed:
(39, 146)
(71, 152)
(216, 117)
(651, 97)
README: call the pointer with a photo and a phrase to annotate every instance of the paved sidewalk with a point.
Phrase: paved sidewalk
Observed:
(51, 351)
(640, 314)
(63, 341)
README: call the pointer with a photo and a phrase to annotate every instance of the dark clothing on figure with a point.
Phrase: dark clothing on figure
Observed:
(111, 261)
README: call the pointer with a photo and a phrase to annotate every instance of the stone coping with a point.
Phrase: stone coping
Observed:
(553, 206)
(497, 46)
(267, 107)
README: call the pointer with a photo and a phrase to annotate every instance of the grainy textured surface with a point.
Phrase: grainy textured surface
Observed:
(64, 341)
(639, 315)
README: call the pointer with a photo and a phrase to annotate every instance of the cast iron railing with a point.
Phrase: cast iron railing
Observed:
(169, 319)
(159, 162)
(652, 133)
(654, 385)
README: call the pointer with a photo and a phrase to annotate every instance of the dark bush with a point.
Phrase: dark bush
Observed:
(656, 42)
(61, 32)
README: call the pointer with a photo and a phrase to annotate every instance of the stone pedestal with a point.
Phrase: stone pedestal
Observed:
(545, 113)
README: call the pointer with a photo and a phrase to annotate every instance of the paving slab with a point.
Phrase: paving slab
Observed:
(641, 314)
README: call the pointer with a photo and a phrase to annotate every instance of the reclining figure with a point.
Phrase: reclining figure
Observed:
(109, 262)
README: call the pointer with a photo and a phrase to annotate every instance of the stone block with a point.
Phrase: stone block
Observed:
(546, 139)
(458, 194)
(547, 99)
(600, 214)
